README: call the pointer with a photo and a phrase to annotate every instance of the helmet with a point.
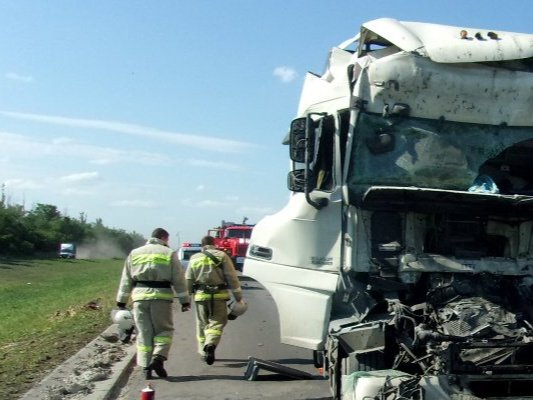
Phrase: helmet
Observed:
(123, 318)
(236, 309)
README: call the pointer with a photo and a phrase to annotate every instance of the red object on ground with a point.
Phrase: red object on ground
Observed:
(148, 393)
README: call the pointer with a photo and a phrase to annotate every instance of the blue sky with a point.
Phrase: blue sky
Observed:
(171, 113)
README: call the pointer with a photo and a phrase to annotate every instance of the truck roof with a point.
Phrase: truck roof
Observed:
(445, 43)
(426, 56)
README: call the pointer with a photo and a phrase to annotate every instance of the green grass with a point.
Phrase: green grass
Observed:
(46, 316)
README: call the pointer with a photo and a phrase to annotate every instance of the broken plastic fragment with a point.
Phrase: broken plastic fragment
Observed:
(483, 184)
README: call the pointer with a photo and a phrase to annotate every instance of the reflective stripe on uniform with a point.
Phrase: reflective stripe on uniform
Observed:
(201, 262)
(213, 332)
(163, 339)
(151, 259)
(201, 296)
(136, 296)
(144, 349)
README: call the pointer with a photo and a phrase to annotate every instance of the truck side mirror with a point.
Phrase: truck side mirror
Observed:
(296, 181)
(302, 138)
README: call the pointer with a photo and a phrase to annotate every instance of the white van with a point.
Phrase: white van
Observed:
(186, 251)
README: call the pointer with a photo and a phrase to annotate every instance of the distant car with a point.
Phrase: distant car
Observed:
(67, 250)
(186, 251)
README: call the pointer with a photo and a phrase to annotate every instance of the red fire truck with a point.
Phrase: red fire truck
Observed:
(233, 239)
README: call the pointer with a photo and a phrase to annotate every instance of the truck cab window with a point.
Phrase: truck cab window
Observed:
(323, 165)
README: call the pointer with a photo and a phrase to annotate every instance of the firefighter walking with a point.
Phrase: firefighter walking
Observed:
(210, 277)
(152, 275)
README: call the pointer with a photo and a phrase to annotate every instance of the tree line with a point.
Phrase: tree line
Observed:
(40, 231)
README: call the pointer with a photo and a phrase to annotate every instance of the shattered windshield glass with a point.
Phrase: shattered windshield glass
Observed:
(438, 154)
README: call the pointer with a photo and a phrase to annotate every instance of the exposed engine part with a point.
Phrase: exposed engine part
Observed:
(471, 325)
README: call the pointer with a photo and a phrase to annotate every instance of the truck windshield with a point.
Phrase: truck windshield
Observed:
(187, 254)
(439, 154)
(239, 233)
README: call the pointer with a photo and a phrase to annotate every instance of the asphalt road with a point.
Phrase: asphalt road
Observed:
(255, 334)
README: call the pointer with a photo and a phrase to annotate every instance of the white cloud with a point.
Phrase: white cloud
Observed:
(106, 156)
(21, 78)
(25, 146)
(135, 203)
(102, 161)
(261, 211)
(22, 184)
(210, 203)
(203, 203)
(219, 165)
(196, 141)
(80, 177)
(63, 140)
(199, 188)
(286, 74)
(79, 192)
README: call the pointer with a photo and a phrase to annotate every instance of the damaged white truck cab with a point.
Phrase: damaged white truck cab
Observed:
(404, 258)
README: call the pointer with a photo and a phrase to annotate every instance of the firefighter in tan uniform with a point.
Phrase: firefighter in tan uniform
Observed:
(152, 275)
(210, 276)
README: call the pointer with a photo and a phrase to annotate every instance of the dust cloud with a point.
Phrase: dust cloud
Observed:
(100, 249)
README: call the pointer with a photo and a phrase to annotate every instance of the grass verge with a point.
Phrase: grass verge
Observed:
(50, 310)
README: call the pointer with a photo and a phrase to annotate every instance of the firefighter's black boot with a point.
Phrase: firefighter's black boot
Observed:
(209, 354)
(157, 366)
(147, 373)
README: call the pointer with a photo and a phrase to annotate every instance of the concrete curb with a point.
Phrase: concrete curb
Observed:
(53, 386)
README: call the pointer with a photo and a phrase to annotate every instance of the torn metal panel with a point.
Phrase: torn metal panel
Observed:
(454, 92)
(450, 44)
(396, 32)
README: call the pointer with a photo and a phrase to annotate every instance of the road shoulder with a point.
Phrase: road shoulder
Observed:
(96, 372)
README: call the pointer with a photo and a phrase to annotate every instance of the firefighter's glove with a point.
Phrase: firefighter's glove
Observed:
(121, 306)
(125, 335)
(185, 307)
